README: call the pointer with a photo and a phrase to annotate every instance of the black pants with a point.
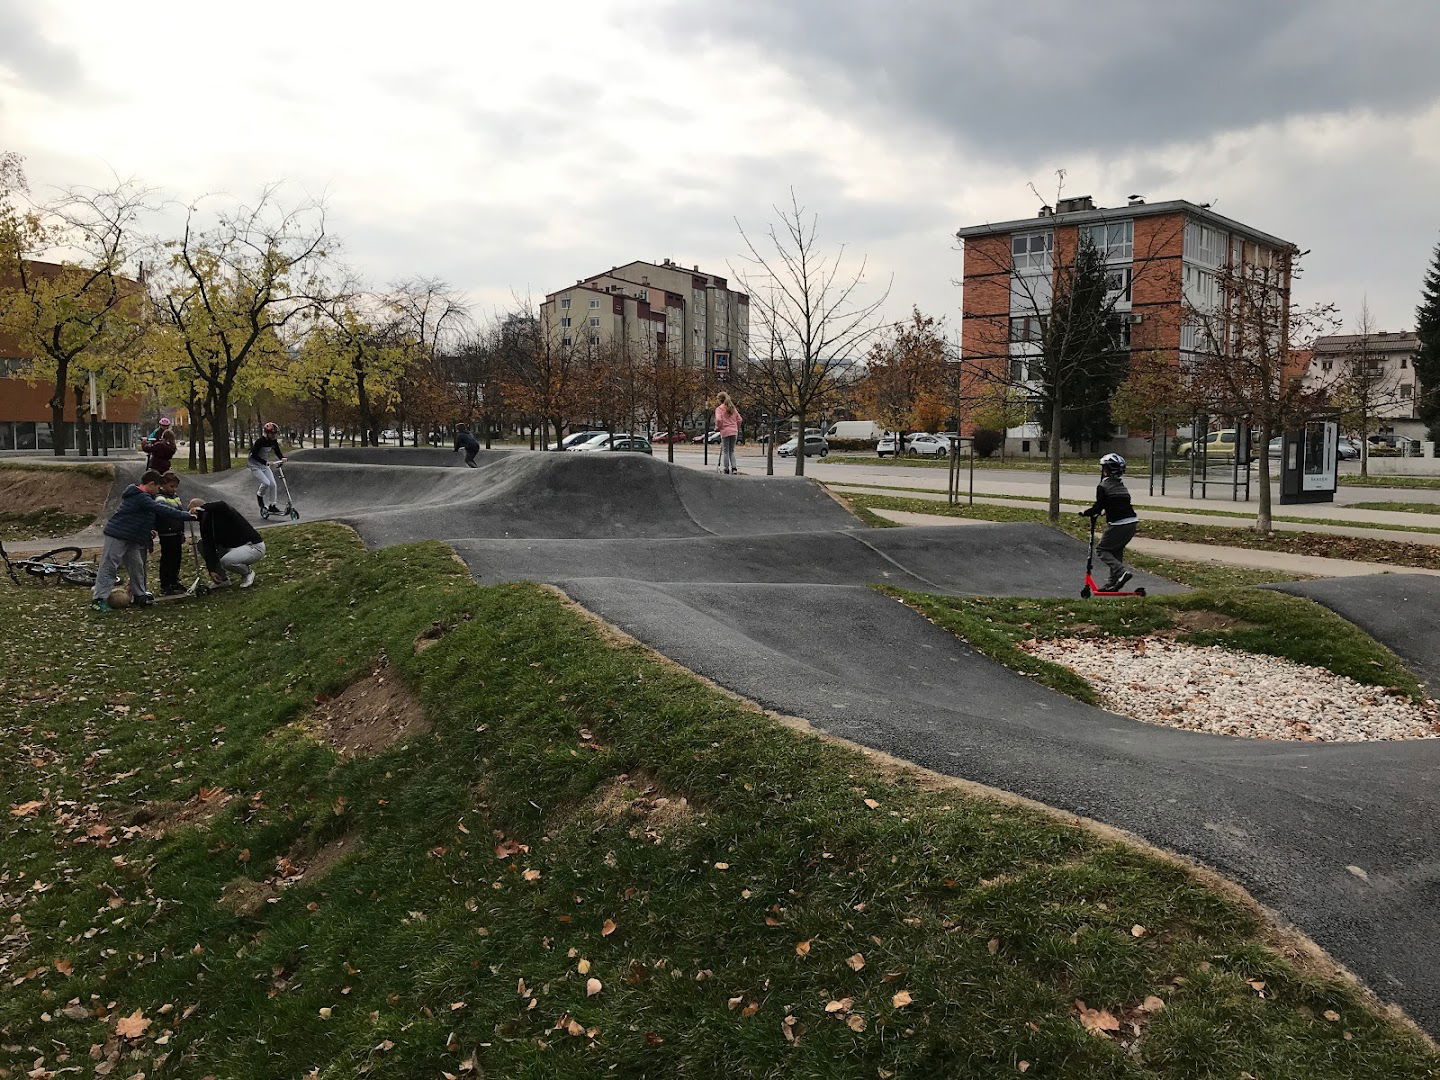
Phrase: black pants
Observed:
(172, 549)
(1111, 548)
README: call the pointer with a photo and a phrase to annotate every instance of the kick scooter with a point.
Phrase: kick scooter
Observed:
(1092, 589)
(289, 510)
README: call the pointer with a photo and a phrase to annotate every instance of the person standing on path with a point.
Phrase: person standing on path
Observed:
(469, 442)
(127, 541)
(727, 424)
(1112, 499)
(259, 467)
(160, 447)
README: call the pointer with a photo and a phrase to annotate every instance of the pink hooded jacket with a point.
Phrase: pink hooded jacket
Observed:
(727, 423)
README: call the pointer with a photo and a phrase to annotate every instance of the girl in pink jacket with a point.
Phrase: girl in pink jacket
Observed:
(727, 423)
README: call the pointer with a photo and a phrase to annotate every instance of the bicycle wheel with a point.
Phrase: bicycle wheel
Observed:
(77, 574)
(58, 555)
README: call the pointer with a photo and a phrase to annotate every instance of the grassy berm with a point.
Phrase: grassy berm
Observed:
(578, 862)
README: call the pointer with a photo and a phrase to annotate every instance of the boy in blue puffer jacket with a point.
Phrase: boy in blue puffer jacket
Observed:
(127, 540)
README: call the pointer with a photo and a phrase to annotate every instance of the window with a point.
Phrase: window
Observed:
(1202, 290)
(595, 302)
(1407, 391)
(565, 303)
(1017, 369)
(594, 339)
(1117, 285)
(7, 436)
(1404, 362)
(594, 320)
(1326, 365)
(1114, 240)
(1027, 328)
(1032, 251)
(565, 322)
(1205, 244)
(566, 341)
(645, 295)
(1031, 294)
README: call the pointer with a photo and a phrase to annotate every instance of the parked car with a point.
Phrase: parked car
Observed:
(1218, 444)
(669, 437)
(815, 446)
(1345, 450)
(854, 429)
(389, 435)
(593, 440)
(886, 446)
(635, 444)
(574, 438)
(926, 445)
(707, 436)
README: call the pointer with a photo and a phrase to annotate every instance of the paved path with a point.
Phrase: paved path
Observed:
(762, 586)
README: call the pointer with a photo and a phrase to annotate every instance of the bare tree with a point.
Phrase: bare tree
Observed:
(1365, 387)
(428, 317)
(1252, 346)
(809, 307)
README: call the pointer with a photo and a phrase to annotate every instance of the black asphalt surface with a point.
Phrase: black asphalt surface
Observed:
(1399, 610)
(761, 585)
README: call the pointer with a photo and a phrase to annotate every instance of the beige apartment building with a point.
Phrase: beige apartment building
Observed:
(1390, 360)
(649, 305)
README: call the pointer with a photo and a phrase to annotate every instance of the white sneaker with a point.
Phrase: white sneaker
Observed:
(248, 579)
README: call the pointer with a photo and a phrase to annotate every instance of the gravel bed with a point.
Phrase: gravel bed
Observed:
(1226, 692)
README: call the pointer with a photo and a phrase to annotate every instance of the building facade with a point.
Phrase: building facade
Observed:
(1386, 363)
(649, 305)
(1164, 261)
(25, 418)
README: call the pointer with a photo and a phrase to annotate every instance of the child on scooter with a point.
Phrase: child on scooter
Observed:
(1112, 499)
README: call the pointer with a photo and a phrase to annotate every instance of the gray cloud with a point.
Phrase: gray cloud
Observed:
(33, 58)
(1025, 81)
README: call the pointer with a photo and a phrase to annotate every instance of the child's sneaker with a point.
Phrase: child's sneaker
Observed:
(100, 605)
(1121, 580)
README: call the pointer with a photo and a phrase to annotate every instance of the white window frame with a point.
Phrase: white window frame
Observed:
(594, 302)
(594, 320)
(565, 303)
(565, 322)
(1032, 251)
(1114, 240)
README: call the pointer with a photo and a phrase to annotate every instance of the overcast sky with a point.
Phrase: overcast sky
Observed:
(513, 148)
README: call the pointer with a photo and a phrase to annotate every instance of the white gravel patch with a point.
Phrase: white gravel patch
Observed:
(1227, 692)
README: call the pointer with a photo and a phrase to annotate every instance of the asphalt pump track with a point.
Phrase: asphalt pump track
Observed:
(763, 585)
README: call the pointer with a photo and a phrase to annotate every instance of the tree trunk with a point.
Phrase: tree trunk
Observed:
(220, 432)
(1262, 517)
(57, 410)
(82, 441)
(325, 420)
(198, 436)
(800, 444)
(1056, 409)
(367, 420)
(1364, 446)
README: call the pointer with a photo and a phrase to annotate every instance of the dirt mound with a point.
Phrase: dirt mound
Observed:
(71, 490)
(244, 896)
(370, 715)
(641, 800)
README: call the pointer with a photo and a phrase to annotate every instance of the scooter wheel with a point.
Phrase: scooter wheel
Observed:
(1085, 593)
(294, 515)
(1140, 591)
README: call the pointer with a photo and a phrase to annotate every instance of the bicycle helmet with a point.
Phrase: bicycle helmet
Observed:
(164, 421)
(271, 428)
(1112, 465)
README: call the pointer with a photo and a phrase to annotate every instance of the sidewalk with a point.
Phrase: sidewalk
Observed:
(1314, 565)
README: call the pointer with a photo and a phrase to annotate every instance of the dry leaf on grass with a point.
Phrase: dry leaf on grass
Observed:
(901, 998)
(872, 804)
(607, 928)
(1096, 1021)
(583, 967)
(1152, 1004)
(802, 948)
(1331, 1015)
(132, 1026)
(839, 1005)
(25, 809)
(856, 962)
(593, 987)
(531, 875)
(1138, 931)
(855, 1022)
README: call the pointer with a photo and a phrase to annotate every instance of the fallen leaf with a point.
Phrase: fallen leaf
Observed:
(64, 967)
(574, 1028)
(132, 1026)
(653, 1038)
(25, 809)
(1257, 985)
(856, 962)
(1331, 1015)
(244, 855)
(1096, 1021)
(855, 1022)
(722, 866)
(1138, 931)
(802, 948)
(456, 1006)
(872, 804)
(1152, 1004)
(326, 1013)
(751, 1009)
(593, 987)
(734, 1002)
(531, 875)
(1022, 1066)
(583, 966)
(385, 1047)
(607, 928)
(901, 998)
(992, 946)
(839, 1005)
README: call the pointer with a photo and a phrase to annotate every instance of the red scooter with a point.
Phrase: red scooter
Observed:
(1092, 589)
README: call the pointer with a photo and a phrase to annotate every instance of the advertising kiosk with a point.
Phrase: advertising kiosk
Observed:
(1308, 462)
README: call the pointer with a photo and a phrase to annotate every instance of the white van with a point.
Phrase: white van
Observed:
(855, 429)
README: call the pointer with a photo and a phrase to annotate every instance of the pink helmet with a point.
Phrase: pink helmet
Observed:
(272, 426)
(164, 421)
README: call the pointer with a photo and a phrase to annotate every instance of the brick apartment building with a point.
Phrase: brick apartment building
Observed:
(650, 305)
(1161, 256)
(1394, 386)
(25, 421)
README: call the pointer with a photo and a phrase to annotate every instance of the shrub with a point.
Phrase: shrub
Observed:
(988, 440)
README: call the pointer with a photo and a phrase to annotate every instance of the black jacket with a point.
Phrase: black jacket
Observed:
(257, 449)
(464, 440)
(222, 527)
(1112, 498)
(135, 516)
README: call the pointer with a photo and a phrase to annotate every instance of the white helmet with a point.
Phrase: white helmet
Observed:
(1112, 465)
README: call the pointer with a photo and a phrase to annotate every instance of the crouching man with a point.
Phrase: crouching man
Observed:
(228, 543)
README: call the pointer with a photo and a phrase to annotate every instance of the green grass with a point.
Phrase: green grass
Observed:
(98, 471)
(1399, 507)
(994, 920)
(1086, 465)
(1328, 545)
(47, 521)
(1431, 483)
(1251, 620)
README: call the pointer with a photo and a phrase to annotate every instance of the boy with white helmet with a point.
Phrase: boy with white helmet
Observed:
(260, 467)
(1112, 499)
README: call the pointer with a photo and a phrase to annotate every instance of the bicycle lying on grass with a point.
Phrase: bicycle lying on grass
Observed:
(63, 564)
